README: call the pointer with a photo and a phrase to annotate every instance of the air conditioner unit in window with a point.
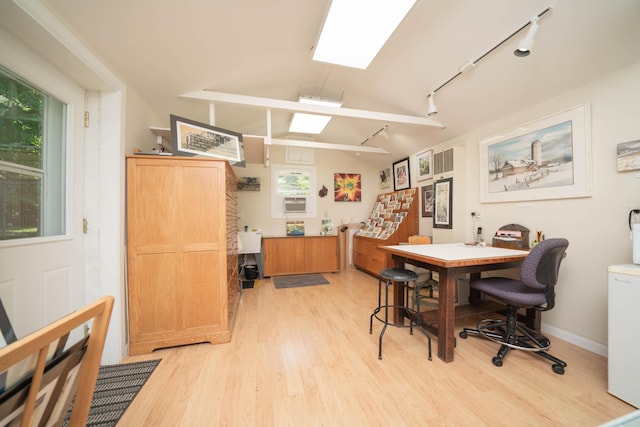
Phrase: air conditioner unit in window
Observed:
(295, 204)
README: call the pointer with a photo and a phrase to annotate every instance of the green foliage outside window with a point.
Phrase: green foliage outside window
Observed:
(22, 119)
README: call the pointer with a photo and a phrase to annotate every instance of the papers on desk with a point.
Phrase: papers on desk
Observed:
(506, 238)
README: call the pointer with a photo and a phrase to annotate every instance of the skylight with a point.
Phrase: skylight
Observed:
(355, 30)
(312, 123)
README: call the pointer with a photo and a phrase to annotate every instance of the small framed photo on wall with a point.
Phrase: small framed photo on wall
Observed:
(401, 175)
(443, 203)
(424, 162)
(427, 201)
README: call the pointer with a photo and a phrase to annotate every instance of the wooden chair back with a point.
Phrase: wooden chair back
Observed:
(419, 240)
(38, 380)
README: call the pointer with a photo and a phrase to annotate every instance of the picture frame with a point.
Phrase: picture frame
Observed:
(401, 175)
(295, 228)
(546, 159)
(385, 178)
(248, 183)
(424, 165)
(443, 203)
(427, 200)
(628, 156)
(192, 138)
(347, 187)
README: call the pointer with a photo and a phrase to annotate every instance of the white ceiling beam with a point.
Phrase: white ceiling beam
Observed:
(327, 146)
(276, 104)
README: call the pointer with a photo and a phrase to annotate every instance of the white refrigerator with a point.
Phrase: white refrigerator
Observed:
(624, 340)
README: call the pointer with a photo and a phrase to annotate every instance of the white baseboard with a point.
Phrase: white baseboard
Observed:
(582, 342)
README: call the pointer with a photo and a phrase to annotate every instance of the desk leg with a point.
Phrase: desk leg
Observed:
(446, 315)
(474, 294)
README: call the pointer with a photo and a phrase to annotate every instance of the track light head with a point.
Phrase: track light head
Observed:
(384, 134)
(526, 44)
(432, 110)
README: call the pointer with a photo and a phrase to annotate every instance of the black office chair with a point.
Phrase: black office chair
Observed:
(535, 289)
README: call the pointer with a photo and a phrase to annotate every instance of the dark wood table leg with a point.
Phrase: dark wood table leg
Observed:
(446, 315)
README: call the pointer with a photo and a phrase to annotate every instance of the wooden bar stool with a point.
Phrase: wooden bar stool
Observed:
(396, 277)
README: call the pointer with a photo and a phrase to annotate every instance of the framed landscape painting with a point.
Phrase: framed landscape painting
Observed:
(546, 159)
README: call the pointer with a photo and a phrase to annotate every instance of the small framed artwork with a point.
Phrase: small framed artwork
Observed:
(246, 183)
(424, 162)
(347, 187)
(385, 178)
(427, 201)
(401, 175)
(295, 228)
(190, 138)
(443, 203)
(628, 156)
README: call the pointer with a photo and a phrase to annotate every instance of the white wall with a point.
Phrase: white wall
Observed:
(254, 207)
(140, 117)
(596, 227)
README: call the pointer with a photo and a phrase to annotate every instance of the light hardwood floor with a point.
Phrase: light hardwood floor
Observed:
(304, 357)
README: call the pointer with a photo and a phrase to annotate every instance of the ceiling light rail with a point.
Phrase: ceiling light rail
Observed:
(382, 132)
(524, 49)
(276, 104)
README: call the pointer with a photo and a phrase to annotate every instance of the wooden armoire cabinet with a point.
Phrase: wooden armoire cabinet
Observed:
(182, 263)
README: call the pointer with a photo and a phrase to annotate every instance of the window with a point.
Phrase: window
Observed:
(32, 160)
(294, 182)
(293, 185)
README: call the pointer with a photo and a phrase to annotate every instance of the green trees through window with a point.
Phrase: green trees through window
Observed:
(32, 156)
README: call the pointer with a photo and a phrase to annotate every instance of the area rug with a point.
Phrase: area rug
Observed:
(299, 281)
(116, 387)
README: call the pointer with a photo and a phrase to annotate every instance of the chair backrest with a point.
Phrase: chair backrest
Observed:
(29, 367)
(419, 240)
(541, 267)
(8, 334)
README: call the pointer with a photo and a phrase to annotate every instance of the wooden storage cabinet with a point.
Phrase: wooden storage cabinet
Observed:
(398, 209)
(182, 278)
(367, 256)
(300, 255)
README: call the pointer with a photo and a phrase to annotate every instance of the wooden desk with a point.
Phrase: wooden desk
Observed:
(450, 260)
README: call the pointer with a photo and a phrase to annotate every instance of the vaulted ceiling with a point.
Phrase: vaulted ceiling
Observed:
(162, 49)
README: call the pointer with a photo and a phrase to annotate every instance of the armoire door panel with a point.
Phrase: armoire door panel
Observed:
(154, 297)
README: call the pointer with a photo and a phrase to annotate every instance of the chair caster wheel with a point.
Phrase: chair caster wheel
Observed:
(463, 335)
(558, 368)
(497, 361)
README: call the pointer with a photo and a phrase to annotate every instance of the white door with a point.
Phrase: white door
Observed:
(41, 278)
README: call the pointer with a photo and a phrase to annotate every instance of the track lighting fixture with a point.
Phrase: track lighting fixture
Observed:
(526, 44)
(524, 49)
(382, 132)
(433, 109)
